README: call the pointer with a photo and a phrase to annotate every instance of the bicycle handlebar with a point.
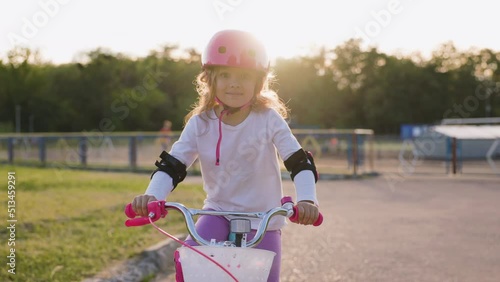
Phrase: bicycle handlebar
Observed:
(159, 209)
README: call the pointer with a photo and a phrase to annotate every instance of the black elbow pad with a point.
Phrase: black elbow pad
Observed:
(172, 166)
(299, 161)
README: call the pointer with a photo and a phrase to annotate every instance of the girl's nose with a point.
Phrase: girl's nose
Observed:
(234, 83)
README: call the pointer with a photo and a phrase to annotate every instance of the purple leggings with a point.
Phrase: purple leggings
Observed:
(217, 227)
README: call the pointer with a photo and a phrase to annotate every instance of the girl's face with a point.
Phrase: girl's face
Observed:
(235, 87)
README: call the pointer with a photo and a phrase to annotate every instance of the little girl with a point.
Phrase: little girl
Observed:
(236, 130)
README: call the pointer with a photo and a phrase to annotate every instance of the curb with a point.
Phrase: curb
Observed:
(153, 260)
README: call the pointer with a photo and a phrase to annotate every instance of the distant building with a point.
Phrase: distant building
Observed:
(476, 139)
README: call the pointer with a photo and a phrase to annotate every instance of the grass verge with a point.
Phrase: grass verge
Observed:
(70, 224)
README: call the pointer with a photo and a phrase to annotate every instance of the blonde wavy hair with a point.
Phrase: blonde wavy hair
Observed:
(264, 98)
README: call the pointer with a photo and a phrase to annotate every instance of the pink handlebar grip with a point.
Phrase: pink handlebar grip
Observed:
(129, 212)
(295, 217)
(156, 211)
(137, 221)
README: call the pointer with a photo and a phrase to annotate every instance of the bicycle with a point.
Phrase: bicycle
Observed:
(232, 260)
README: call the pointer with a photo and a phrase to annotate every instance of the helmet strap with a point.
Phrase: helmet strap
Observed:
(231, 110)
(226, 111)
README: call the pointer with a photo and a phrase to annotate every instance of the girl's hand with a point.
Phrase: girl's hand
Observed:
(308, 212)
(140, 204)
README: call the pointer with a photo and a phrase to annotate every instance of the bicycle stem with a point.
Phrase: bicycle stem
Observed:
(285, 210)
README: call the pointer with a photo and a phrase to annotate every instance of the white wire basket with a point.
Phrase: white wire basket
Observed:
(246, 264)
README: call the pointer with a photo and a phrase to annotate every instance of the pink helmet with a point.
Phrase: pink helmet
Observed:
(235, 48)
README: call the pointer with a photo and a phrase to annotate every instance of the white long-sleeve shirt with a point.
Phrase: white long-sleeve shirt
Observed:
(248, 178)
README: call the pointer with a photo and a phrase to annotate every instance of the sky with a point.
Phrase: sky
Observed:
(64, 29)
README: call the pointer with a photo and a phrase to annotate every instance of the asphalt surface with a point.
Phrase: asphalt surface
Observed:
(421, 228)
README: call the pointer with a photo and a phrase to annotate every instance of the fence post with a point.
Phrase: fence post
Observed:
(370, 151)
(448, 154)
(133, 153)
(10, 149)
(42, 150)
(355, 154)
(82, 148)
(454, 154)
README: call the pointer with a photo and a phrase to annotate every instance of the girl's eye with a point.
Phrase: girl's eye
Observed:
(246, 75)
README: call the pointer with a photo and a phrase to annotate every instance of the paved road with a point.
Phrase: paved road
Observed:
(420, 228)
